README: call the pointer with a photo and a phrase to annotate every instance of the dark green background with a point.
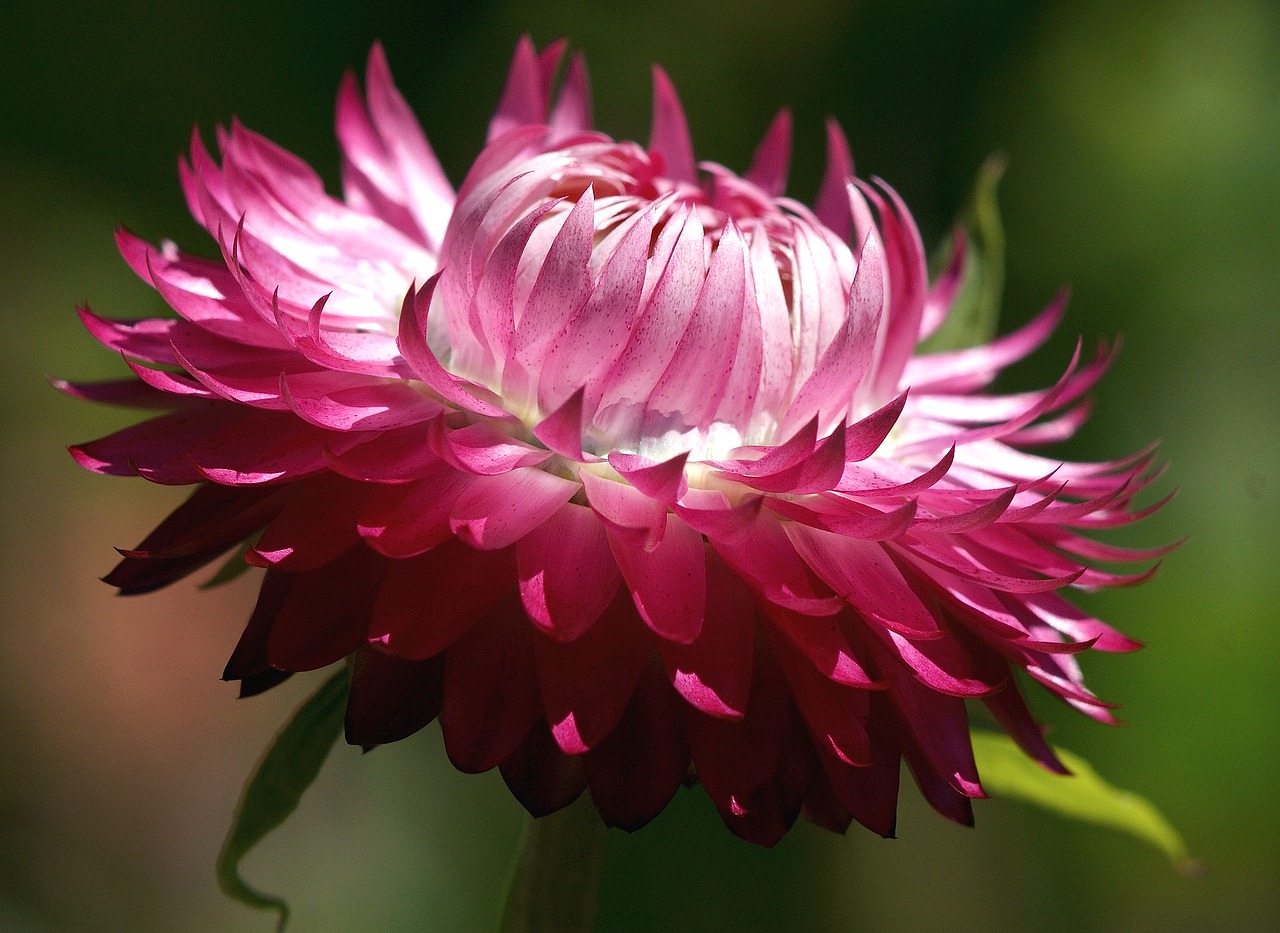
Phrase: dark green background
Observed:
(1143, 141)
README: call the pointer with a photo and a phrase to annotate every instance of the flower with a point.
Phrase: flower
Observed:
(624, 467)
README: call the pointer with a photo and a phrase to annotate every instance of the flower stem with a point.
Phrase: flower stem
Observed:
(556, 881)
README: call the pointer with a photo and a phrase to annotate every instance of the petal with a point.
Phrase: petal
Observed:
(325, 614)
(490, 690)
(863, 573)
(426, 603)
(495, 511)
(636, 771)
(391, 698)
(668, 582)
(772, 159)
(567, 574)
(408, 519)
(713, 672)
(540, 776)
(670, 134)
(587, 683)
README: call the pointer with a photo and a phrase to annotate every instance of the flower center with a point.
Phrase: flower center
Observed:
(687, 312)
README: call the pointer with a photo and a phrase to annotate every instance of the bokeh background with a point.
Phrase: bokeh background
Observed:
(1143, 140)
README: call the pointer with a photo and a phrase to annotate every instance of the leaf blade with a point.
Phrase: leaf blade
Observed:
(975, 312)
(274, 790)
(1082, 795)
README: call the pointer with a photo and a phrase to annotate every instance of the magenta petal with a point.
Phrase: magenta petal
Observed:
(147, 339)
(773, 157)
(764, 556)
(316, 526)
(562, 287)
(822, 641)
(587, 683)
(404, 520)
(668, 583)
(483, 450)
(567, 573)
(427, 603)
(832, 206)
(939, 728)
(835, 714)
(627, 512)
(572, 112)
(413, 344)
(522, 102)
(562, 429)
(157, 449)
(713, 672)
(863, 573)
(670, 134)
(664, 482)
(847, 359)
(387, 457)
(495, 511)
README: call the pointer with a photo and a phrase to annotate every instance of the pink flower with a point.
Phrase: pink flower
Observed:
(622, 466)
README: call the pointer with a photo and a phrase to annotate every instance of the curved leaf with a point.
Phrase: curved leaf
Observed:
(976, 309)
(1081, 795)
(288, 768)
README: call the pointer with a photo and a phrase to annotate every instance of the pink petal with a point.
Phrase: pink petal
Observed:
(567, 574)
(832, 205)
(495, 511)
(668, 582)
(482, 449)
(626, 511)
(864, 574)
(409, 519)
(713, 672)
(670, 134)
(772, 159)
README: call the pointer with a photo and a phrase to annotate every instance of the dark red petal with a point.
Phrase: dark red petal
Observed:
(636, 771)
(391, 698)
(211, 520)
(325, 615)
(427, 603)
(587, 683)
(250, 655)
(316, 526)
(870, 793)
(540, 776)
(490, 690)
(748, 767)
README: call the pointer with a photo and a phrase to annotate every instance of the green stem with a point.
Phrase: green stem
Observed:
(558, 876)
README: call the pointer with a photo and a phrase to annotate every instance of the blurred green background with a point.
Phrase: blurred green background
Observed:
(1143, 141)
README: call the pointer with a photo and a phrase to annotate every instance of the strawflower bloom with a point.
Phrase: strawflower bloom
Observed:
(623, 466)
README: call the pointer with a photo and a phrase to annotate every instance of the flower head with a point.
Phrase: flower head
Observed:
(625, 467)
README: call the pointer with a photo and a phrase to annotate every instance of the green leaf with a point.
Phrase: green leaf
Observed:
(976, 309)
(1081, 795)
(288, 768)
